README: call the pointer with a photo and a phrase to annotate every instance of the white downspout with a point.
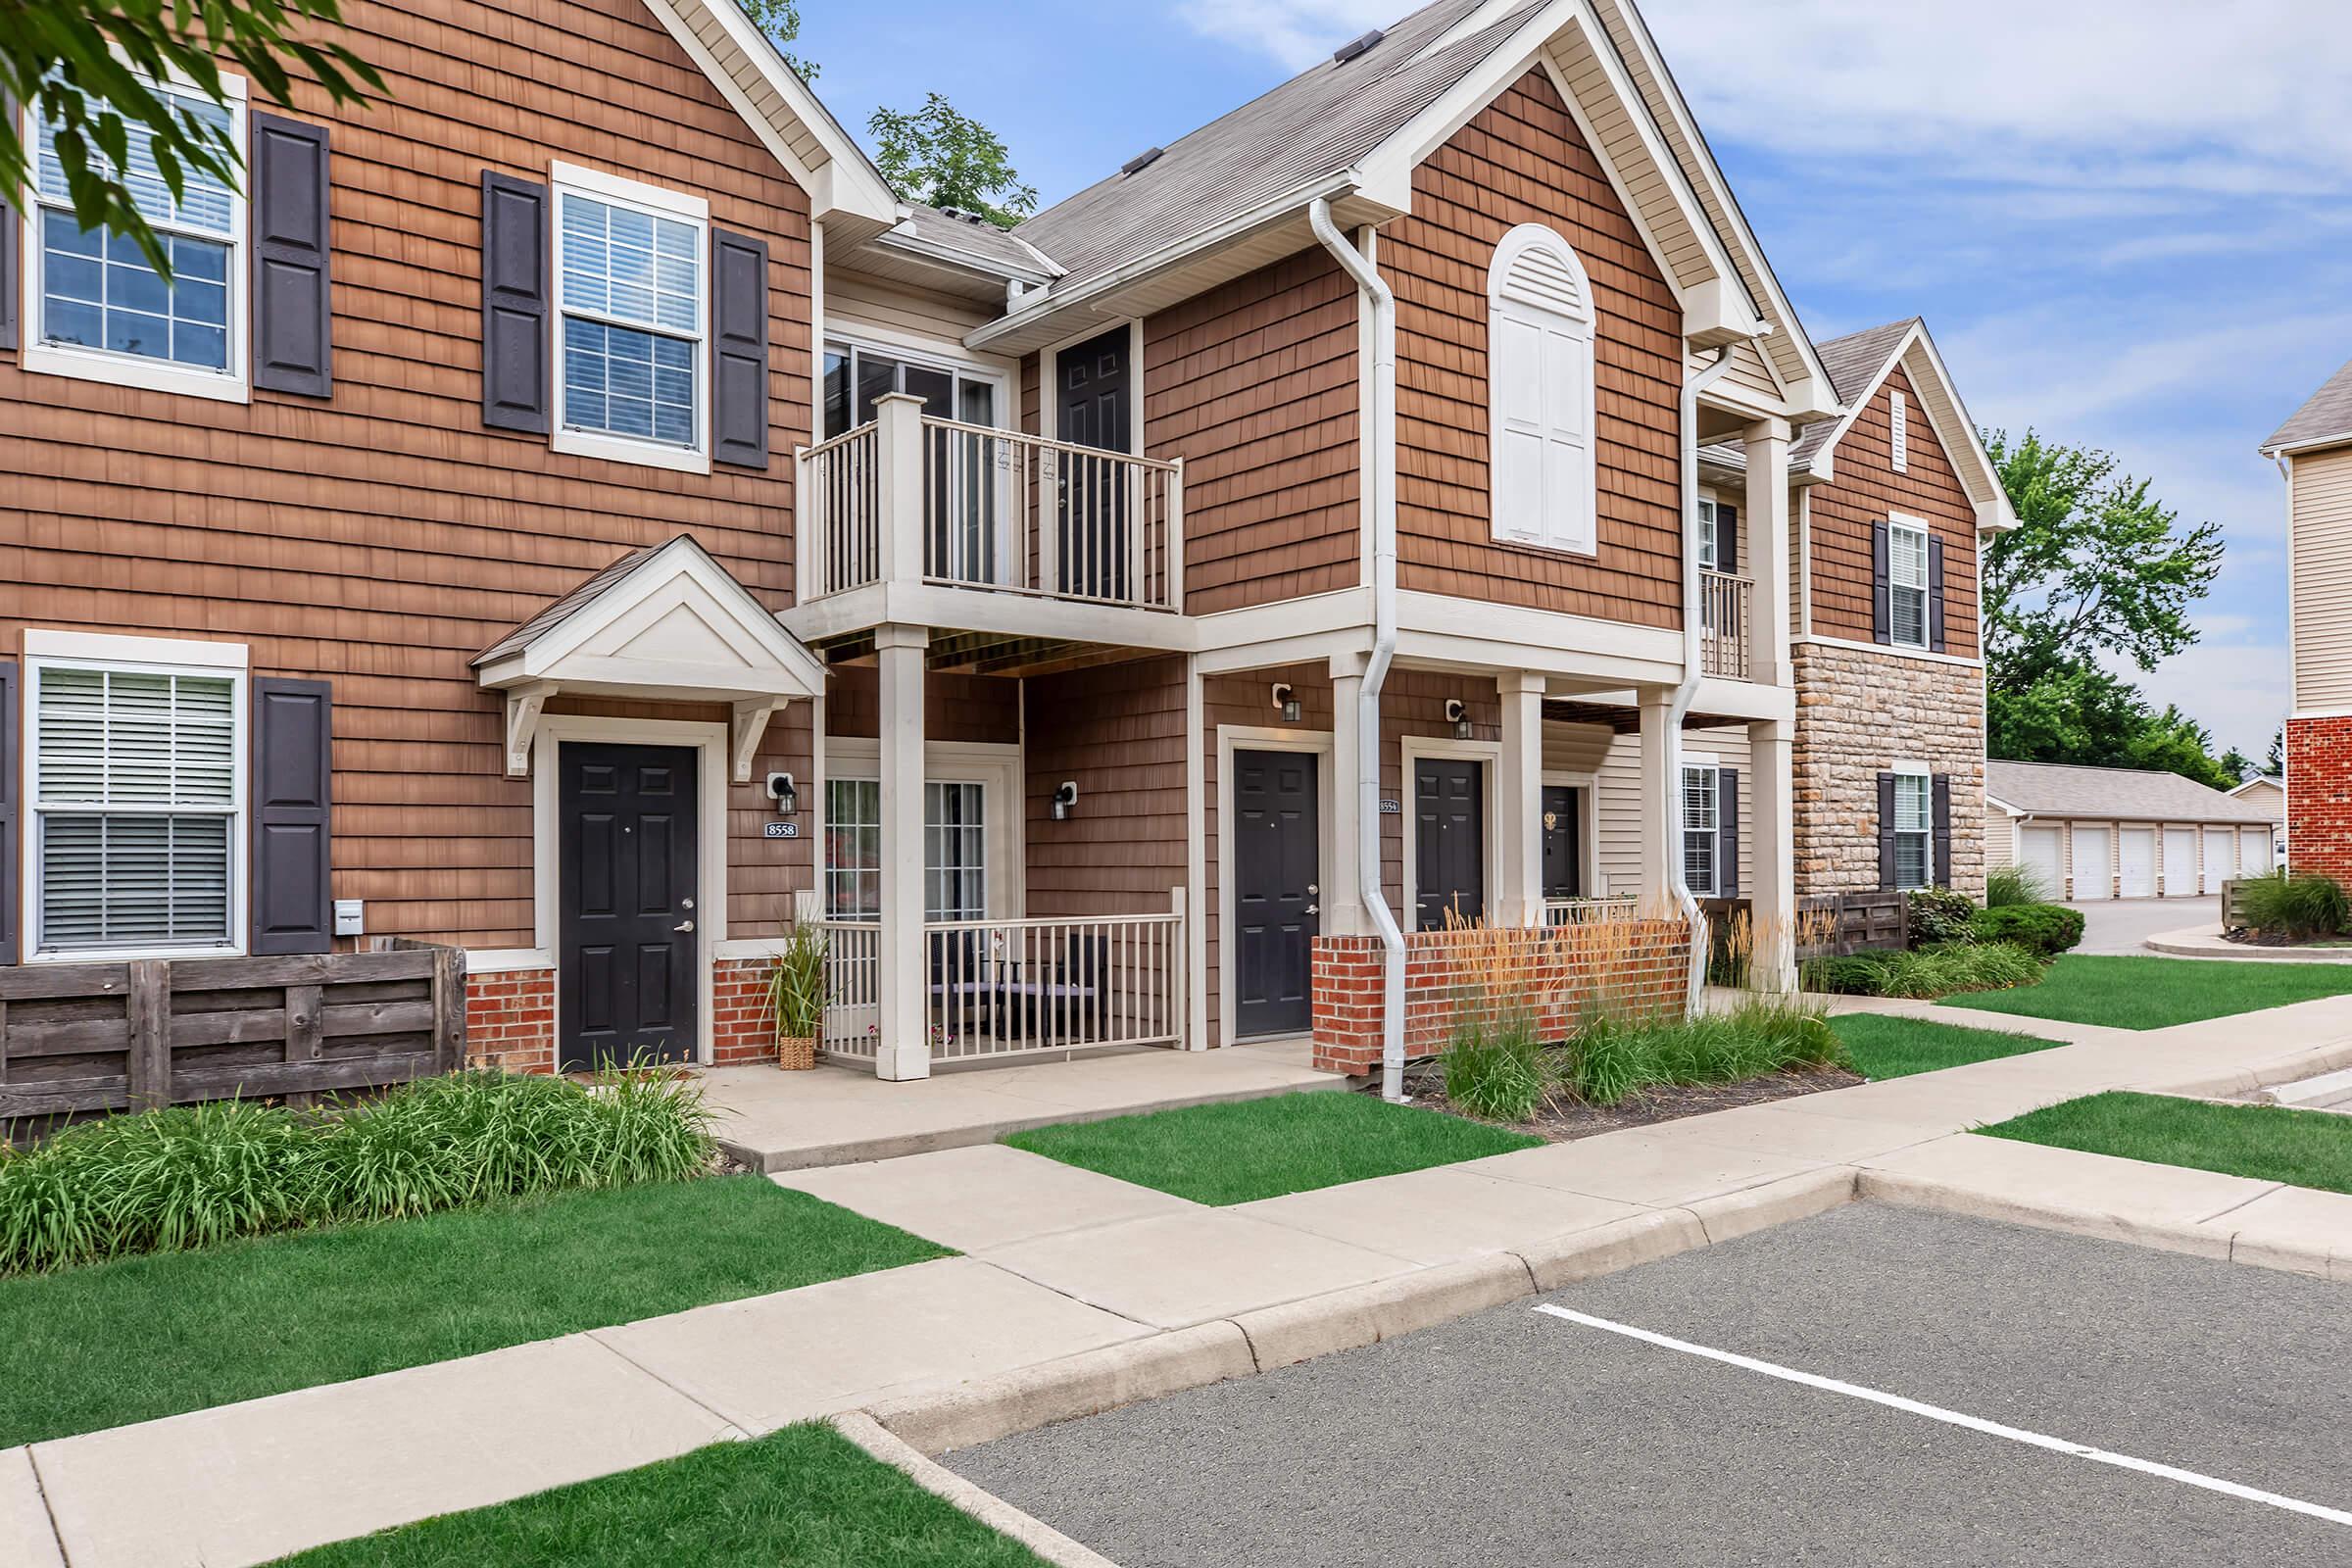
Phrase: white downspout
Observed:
(1383, 478)
(1676, 882)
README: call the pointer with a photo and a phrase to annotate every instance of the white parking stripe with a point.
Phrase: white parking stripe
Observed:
(1895, 1401)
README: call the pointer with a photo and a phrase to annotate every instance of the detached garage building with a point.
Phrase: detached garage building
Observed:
(2117, 832)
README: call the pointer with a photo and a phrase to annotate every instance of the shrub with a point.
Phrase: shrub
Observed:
(1499, 1071)
(1858, 974)
(1925, 973)
(2046, 929)
(195, 1176)
(2300, 906)
(2006, 885)
(1937, 915)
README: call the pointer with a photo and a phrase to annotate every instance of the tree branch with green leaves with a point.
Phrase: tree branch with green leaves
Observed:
(95, 70)
(942, 157)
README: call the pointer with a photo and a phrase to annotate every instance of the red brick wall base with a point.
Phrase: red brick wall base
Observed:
(2319, 795)
(510, 1020)
(1638, 968)
(741, 1032)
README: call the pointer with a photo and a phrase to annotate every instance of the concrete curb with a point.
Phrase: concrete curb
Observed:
(986, 1506)
(1366, 1314)
(2202, 944)
(1792, 1198)
(2308, 1062)
(1918, 1192)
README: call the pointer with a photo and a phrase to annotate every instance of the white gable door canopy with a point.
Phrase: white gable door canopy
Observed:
(665, 623)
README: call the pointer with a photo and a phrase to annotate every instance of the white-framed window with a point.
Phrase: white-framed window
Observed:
(1914, 827)
(857, 373)
(1539, 321)
(98, 310)
(135, 832)
(1702, 824)
(632, 357)
(1907, 583)
(954, 849)
(1898, 439)
(852, 849)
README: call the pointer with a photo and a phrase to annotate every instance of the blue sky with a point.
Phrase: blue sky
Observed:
(2123, 219)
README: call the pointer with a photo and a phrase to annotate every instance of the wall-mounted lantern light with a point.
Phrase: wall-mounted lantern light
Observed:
(1457, 713)
(1287, 703)
(786, 794)
(1065, 800)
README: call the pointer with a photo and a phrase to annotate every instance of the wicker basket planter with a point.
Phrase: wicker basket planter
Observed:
(795, 1052)
(795, 999)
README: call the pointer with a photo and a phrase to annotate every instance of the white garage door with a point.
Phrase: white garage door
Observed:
(2136, 861)
(2253, 851)
(2042, 851)
(2221, 857)
(2094, 863)
(2179, 862)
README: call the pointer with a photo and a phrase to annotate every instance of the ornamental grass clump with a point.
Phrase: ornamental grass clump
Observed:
(196, 1176)
(2299, 907)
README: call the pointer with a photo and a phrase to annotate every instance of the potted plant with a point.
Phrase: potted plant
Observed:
(796, 998)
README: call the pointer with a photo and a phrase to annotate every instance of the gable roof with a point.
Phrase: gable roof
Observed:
(2115, 794)
(2324, 418)
(562, 609)
(1857, 363)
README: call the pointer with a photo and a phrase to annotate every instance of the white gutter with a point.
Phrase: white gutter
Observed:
(1676, 882)
(1382, 306)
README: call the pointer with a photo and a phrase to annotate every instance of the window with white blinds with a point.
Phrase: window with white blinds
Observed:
(134, 798)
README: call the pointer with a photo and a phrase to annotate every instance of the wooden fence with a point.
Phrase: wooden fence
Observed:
(1854, 922)
(83, 1038)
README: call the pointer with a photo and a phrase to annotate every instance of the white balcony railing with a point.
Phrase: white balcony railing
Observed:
(1726, 625)
(910, 497)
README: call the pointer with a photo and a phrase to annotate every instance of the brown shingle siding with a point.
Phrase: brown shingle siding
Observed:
(1866, 490)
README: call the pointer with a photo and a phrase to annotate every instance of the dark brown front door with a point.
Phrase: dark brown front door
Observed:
(1277, 891)
(1095, 541)
(1450, 841)
(1564, 861)
(627, 853)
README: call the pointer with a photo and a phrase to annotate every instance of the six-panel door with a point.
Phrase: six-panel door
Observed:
(627, 855)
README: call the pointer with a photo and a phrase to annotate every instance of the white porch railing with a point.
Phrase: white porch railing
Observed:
(1726, 625)
(967, 506)
(1016, 988)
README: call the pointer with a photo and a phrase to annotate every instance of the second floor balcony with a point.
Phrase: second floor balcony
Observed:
(928, 520)
(1726, 625)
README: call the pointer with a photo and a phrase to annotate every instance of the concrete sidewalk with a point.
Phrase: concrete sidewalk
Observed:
(1079, 1291)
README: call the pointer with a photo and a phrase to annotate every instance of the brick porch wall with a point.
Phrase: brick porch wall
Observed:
(740, 1031)
(510, 1020)
(2319, 796)
(1646, 966)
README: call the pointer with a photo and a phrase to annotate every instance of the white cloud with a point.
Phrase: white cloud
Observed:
(2236, 691)
(1296, 33)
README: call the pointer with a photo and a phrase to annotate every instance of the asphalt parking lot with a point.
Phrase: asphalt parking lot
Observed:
(1517, 1436)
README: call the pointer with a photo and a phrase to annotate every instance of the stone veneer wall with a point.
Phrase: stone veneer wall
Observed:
(1858, 712)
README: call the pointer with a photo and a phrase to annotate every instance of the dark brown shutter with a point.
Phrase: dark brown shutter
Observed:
(11, 783)
(293, 318)
(292, 911)
(11, 270)
(1727, 832)
(738, 348)
(1936, 595)
(1881, 589)
(1726, 538)
(1886, 830)
(1941, 792)
(514, 300)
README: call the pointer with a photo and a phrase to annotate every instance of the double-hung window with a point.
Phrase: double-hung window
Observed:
(135, 824)
(1907, 583)
(630, 343)
(1702, 821)
(101, 310)
(1709, 553)
(1914, 828)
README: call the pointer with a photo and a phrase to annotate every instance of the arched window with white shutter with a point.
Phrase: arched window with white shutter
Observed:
(1539, 392)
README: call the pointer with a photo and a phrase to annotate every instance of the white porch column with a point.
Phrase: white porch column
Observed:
(1340, 899)
(899, 486)
(1519, 799)
(905, 1051)
(1768, 551)
(1772, 856)
(1657, 831)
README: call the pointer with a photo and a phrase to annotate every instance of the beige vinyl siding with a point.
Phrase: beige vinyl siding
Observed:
(2321, 554)
(882, 313)
(2000, 838)
(1748, 374)
(1615, 761)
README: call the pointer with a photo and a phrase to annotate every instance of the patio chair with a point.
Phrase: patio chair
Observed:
(962, 976)
(1064, 1002)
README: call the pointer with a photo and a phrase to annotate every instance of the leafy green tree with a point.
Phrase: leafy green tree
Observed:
(2067, 714)
(2239, 765)
(937, 155)
(2174, 743)
(90, 67)
(2274, 764)
(780, 19)
(2095, 566)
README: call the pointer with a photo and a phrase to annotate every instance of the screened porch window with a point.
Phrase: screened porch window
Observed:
(954, 849)
(134, 806)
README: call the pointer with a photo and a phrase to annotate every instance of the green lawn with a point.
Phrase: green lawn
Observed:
(2268, 1143)
(2155, 993)
(155, 1336)
(1254, 1148)
(1884, 1046)
(804, 1497)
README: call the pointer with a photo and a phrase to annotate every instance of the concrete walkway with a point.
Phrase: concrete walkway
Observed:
(1079, 1291)
(772, 1120)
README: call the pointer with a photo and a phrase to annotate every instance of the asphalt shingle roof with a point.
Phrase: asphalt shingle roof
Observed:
(555, 615)
(974, 236)
(2115, 794)
(2327, 413)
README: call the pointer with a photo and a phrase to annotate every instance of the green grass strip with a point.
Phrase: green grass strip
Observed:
(159, 1335)
(1251, 1148)
(1884, 1046)
(805, 1496)
(2128, 993)
(2268, 1143)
